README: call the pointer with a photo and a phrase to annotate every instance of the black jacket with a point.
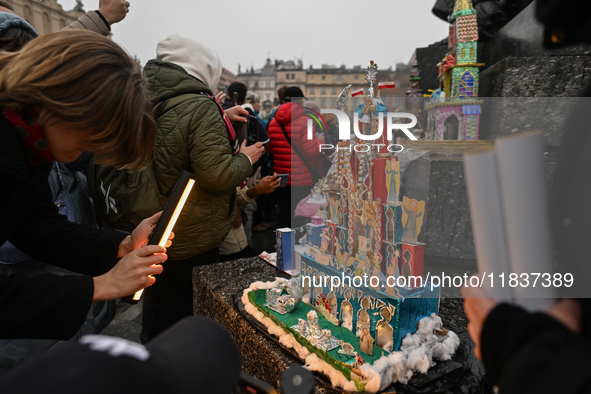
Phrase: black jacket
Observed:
(533, 353)
(44, 306)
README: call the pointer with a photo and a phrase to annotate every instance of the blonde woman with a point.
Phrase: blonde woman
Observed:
(62, 94)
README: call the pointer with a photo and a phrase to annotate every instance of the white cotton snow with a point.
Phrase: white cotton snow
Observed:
(337, 379)
(444, 350)
(418, 359)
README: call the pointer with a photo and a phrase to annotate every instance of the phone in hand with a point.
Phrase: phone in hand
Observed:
(284, 178)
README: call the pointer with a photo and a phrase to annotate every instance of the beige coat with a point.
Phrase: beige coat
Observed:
(91, 22)
(236, 239)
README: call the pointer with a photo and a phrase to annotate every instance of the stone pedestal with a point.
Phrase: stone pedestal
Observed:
(214, 289)
(434, 172)
(530, 87)
(427, 59)
(532, 93)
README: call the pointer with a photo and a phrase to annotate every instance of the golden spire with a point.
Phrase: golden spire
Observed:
(462, 5)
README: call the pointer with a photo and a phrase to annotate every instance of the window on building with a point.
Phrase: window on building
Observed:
(287, 76)
(292, 76)
(46, 23)
(322, 103)
(471, 127)
(312, 90)
(463, 55)
(322, 90)
(324, 77)
(28, 15)
(267, 97)
(333, 90)
(466, 88)
(263, 84)
(472, 54)
(356, 77)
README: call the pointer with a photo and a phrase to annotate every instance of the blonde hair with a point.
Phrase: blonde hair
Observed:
(89, 82)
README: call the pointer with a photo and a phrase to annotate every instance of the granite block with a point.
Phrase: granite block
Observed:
(214, 288)
(523, 37)
(427, 59)
(448, 227)
(532, 93)
(438, 179)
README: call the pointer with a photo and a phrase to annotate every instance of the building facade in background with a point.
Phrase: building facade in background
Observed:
(265, 81)
(262, 82)
(290, 73)
(225, 80)
(46, 16)
(323, 85)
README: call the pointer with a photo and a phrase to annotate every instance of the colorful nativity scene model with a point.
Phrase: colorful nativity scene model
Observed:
(453, 112)
(361, 305)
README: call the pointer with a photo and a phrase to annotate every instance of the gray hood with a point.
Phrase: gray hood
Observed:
(197, 59)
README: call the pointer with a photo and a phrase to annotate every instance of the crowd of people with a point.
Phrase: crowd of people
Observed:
(74, 104)
(76, 108)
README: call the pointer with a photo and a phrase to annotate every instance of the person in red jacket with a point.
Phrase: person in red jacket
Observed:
(294, 154)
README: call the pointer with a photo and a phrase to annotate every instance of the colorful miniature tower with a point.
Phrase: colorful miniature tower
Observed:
(463, 44)
(454, 110)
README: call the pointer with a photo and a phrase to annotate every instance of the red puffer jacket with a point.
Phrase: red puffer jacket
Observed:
(296, 125)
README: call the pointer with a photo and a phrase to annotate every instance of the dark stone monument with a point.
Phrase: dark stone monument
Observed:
(427, 59)
(536, 84)
(524, 86)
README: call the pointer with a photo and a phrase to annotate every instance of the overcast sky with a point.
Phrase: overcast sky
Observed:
(350, 32)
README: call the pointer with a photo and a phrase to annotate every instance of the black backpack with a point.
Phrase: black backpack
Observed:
(124, 198)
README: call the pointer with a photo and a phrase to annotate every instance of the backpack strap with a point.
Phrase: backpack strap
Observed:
(313, 171)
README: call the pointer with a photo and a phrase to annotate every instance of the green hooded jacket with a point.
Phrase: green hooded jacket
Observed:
(192, 136)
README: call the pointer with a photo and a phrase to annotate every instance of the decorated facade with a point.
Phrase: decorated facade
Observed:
(368, 228)
(453, 113)
(361, 295)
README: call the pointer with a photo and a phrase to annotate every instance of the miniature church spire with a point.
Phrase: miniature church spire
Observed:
(463, 7)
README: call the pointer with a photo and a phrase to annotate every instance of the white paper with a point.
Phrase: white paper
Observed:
(488, 223)
(523, 188)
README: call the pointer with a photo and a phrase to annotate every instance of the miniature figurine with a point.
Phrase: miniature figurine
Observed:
(366, 342)
(410, 233)
(359, 361)
(324, 240)
(303, 327)
(393, 171)
(318, 337)
(321, 301)
(346, 349)
(284, 303)
(369, 233)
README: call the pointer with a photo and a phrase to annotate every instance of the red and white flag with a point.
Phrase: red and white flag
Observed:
(386, 85)
(357, 92)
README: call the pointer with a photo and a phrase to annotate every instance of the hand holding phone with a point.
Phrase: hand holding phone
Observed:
(284, 178)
